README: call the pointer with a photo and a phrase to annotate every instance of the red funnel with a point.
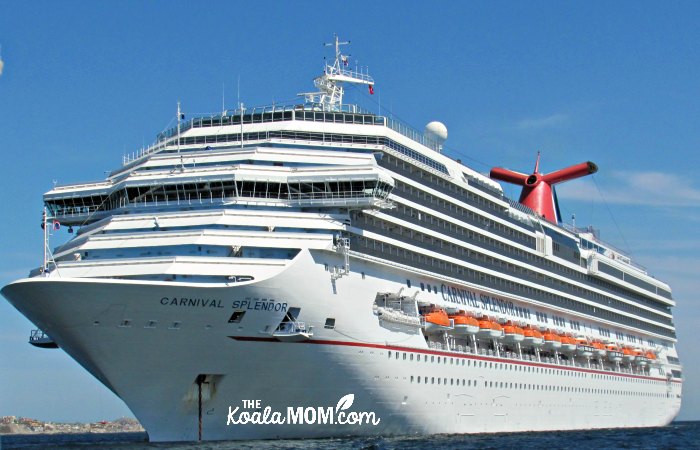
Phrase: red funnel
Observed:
(537, 188)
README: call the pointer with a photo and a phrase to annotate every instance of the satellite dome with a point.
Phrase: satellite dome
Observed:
(437, 131)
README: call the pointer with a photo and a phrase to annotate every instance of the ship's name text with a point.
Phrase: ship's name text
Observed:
(481, 301)
(195, 302)
(255, 304)
(260, 305)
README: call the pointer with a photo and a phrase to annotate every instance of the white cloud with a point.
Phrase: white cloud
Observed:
(637, 188)
(532, 123)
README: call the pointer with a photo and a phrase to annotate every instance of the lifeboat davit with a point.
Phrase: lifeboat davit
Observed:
(489, 329)
(513, 333)
(464, 323)
(551, 340)
(437, 320)
(568, 344)
(614, 353)
(533, 338)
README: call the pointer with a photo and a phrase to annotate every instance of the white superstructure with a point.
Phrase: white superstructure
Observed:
(297, 254)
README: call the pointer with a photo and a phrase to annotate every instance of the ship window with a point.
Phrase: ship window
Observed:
(408, 283)
(236, 317)
(125, 323)
(151, 324)
(422, 287)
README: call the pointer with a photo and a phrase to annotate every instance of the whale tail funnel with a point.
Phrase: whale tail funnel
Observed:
(538, 189)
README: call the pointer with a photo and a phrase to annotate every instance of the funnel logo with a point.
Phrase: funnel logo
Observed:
(300, 415)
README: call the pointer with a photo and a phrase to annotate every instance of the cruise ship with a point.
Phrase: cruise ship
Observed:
(318, 270)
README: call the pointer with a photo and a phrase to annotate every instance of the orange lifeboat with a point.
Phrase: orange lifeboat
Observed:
(551, 340)
(464, 323)
(614, 353)
(584, 347)
(533, 338)
(651, 357)
(489, 329)
(639, 358)
(513, 333)
(436, 320)
(568, 343)
(599, 348)
(628, 354)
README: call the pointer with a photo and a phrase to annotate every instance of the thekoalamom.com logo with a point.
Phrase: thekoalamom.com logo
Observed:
(301, 415)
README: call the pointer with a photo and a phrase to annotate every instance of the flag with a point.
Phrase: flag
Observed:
(371, 89)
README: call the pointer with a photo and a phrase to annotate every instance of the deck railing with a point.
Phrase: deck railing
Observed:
(275, 113)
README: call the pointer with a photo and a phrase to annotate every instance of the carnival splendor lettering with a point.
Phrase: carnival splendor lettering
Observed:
(251, 304)
(482, 301)
(196, 302)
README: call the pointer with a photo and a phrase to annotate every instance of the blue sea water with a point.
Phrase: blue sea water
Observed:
(678, 435)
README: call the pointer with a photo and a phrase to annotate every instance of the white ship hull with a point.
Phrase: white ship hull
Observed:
(149, 349)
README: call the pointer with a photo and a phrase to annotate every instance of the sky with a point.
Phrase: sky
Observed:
(617, 83)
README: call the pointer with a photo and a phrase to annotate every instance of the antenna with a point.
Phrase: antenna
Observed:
(240, 107)
(44, 267)
(223, 98)
(337, 45)
(178, 125)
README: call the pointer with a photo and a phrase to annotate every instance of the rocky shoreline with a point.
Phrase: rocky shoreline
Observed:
(24, 425)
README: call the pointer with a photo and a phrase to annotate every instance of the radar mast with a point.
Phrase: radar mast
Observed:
(329, 84)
